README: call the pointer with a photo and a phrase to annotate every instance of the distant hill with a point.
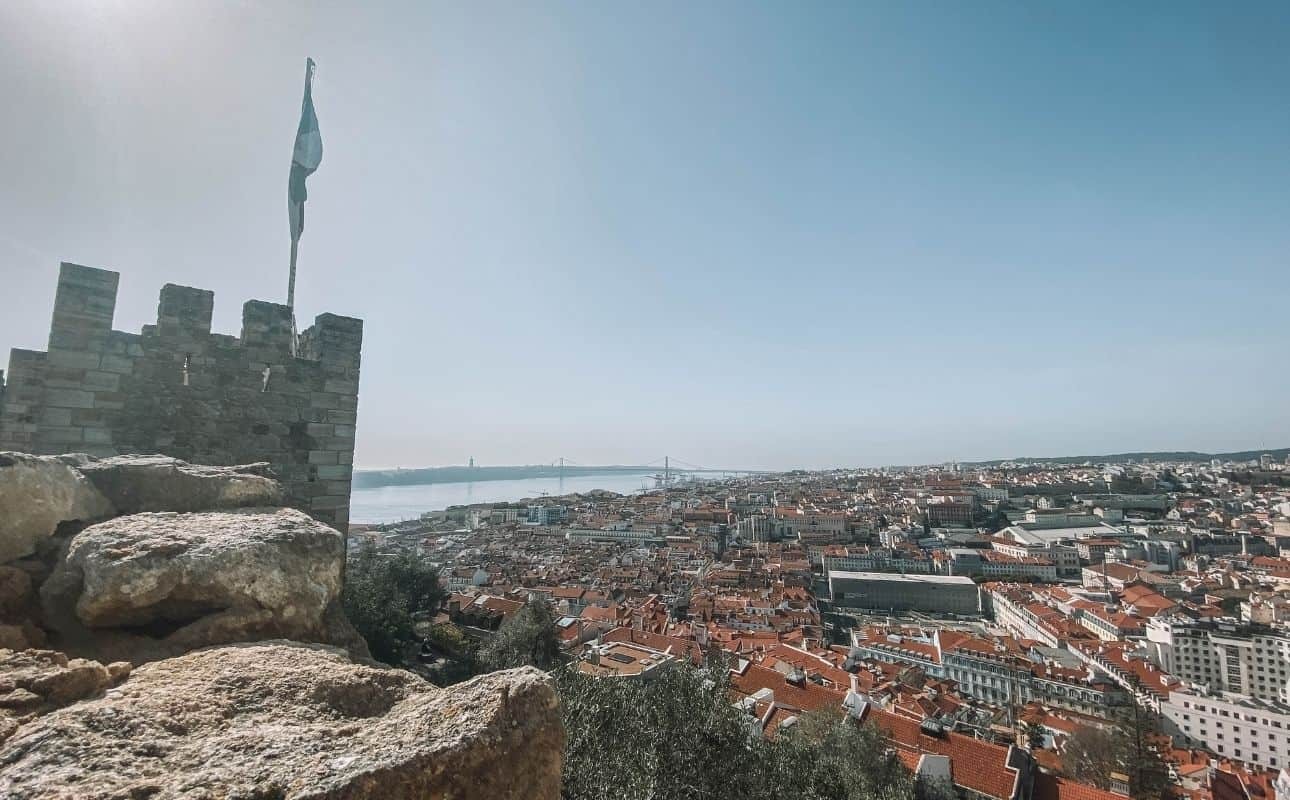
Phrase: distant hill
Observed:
(1121, 458)
(372, 479)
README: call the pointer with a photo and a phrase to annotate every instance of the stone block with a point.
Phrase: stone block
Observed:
(325, 400)
(97, 436)
(338, 472)
(340, 386)
(344, 431)
(61, 435)
(95, 379)
(109, 401)
(338, 416)
(119, 364)
(331, 502)
(75, 359)
(322, 457)
(54, 417)
(69, 398)
(65, 378)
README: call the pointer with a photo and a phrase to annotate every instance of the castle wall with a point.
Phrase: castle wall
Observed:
(177, 389)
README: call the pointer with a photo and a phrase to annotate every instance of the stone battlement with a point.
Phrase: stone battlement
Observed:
(178, 389)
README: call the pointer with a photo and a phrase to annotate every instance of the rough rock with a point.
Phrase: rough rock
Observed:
(21, 636)
(195, 580)
(34, 682)
(16, 593)
(289, 721)
(138, 483)
(36, 494)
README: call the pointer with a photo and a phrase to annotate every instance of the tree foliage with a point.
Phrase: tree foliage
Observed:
(1091, 755)
(678, 736)
(384, 594)
(1035, 735)
(1129, 748)
(526, 639)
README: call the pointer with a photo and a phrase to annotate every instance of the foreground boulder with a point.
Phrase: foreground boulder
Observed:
(37, 493)
(193, 580)
(160, 483)
(290, 721)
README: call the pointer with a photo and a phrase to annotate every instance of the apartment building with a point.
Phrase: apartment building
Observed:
(994, 564)
(987, 671)
(843, 559)
(1109, 624)
(1064, 557)
(1025, 618)
(810, 528)
(1225, 656)
(1232, 726)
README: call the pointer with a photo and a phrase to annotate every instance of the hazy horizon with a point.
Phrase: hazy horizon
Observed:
(747, 236)
(1019, 457)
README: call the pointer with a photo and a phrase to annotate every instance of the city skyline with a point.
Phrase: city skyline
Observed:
(753, 237)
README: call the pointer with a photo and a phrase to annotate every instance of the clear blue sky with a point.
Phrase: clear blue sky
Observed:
(742, 234)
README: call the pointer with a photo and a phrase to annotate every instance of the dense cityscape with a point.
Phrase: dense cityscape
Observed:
(374, 508)
(973, 614)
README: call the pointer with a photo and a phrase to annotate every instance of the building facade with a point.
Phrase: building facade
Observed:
(1224, 656)
(891, 591)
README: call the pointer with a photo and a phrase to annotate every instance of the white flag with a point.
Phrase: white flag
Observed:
(305, 158)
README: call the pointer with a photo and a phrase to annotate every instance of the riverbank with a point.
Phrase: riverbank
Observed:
(393, 503)
(372, 479)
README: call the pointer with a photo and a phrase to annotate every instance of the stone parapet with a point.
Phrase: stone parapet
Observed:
(178, 389)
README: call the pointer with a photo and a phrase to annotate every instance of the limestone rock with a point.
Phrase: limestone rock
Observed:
(36, 494)
(34, 682)
(199, 579)
(138, 483)
(290, 721)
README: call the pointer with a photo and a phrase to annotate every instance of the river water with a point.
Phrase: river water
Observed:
(394, 503)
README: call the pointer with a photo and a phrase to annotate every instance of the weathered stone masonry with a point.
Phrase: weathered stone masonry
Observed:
(180, 390)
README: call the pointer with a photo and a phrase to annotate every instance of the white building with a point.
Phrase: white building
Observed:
(1230, 725)
(1224, 656)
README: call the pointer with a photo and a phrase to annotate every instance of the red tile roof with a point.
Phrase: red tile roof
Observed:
(1051, 787)
(808, 697)
(974, 764)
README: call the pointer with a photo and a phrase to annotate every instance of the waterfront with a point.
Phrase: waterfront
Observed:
(393, 503)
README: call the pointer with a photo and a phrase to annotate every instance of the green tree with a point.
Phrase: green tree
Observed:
(383, 596)
(1128, 748)
(1091, 755)
(526, 639)
(1140, 741)
(680, 736)
(833, 756)
(1035, 735)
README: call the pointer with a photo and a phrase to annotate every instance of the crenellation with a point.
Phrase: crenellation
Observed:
(185, 311)
(178, 389)
(84, 305)
(266, 326)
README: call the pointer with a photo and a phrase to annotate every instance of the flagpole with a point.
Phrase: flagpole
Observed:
(291, 279)
(291, 293)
